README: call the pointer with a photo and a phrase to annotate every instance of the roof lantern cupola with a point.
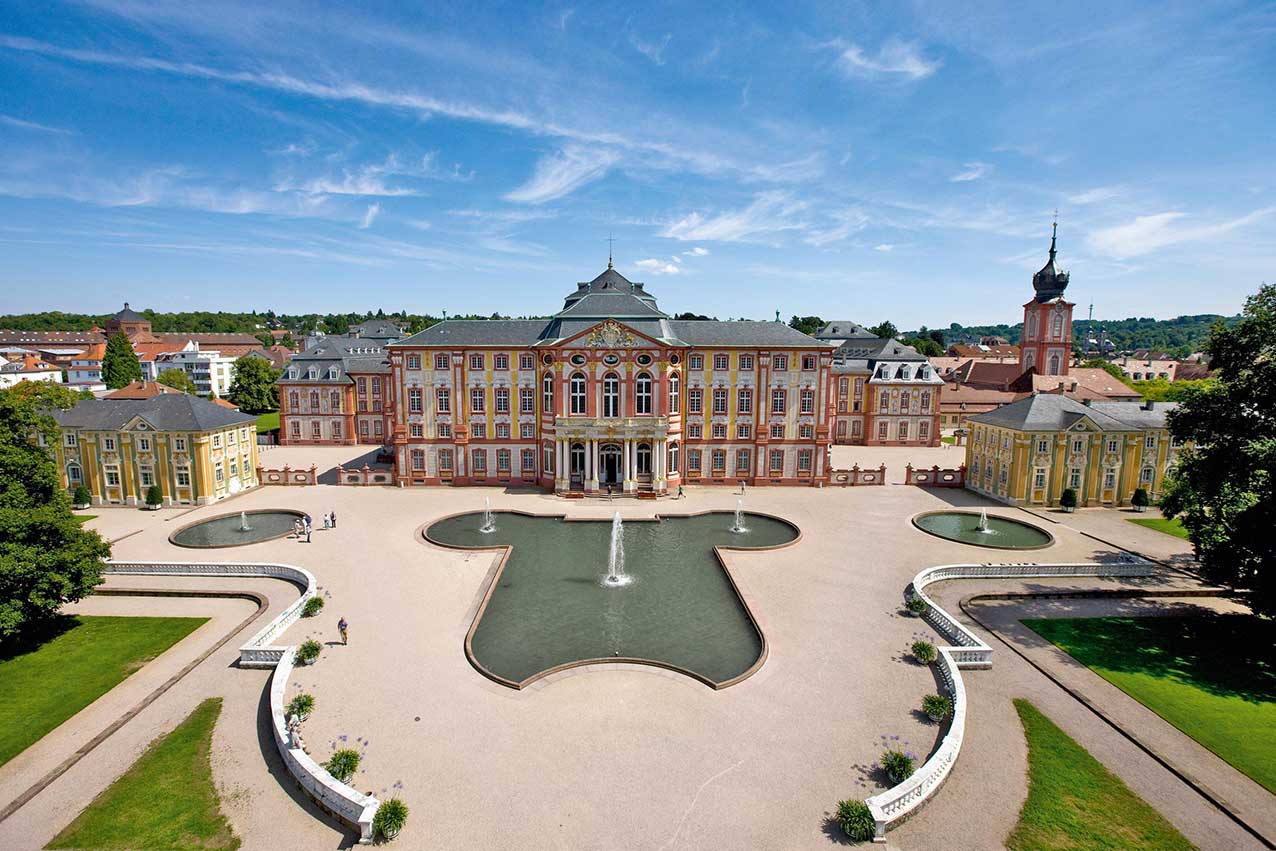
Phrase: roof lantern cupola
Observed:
(1050, 281)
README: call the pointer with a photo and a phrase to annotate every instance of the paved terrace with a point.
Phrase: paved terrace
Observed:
(609, 755)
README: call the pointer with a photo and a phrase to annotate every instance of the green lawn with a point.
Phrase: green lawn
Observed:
(1170, 527)
(1074, 802)
(949, 440)
(84, 518)
(166, 800)
(267, 422)
(1211, 676)
(45, 684)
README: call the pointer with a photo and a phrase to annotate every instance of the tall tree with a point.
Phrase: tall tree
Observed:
(1224, 485)
(252, 385)
(177, 379)
(120, 365)
(1107, 366)
(887, 330)
(808, 325)
(46, 557)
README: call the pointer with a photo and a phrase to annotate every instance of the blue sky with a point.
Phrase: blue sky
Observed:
(844, 160)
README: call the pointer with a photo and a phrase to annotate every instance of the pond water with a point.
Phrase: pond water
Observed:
(983, 530)
(229, 531)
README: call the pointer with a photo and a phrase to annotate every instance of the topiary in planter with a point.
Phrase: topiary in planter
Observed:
(390, 818)
(917, 605)
(82, 498)
(856, 820)
(898, 765)
(154, 496)
(312, 607)
(936, 707)
(924, 652)
(1068, 499)
(343, 764)
(1140, 499)
(308, 652)
(301, 706)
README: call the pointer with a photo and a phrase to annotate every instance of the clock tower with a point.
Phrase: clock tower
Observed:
(1046, 342)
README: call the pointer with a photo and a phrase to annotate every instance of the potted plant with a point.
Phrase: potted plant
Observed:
(300, 707)
(154, 498)
(936, 707)
(1140, 499)
(898, 765)
(1068, 500)
(343, 764)
(308, 652)
(312, 607)
(82, 497)
(856, 820)
(916, 606)
(925, 652)
(390, 818)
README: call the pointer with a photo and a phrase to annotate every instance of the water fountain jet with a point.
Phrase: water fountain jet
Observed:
(243, 522)
(738, 527)
(489, 523)
(982, 527)
(616, 576)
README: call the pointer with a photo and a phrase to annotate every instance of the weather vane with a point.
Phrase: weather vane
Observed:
(611, 245)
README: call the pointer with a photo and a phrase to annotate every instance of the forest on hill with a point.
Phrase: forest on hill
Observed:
(1179, 336)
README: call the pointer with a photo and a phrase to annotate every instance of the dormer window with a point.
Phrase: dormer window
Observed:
(314, 373)
(292, 373)
(903, 373)
(332, 372)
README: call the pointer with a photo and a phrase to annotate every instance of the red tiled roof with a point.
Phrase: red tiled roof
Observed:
(141, 390)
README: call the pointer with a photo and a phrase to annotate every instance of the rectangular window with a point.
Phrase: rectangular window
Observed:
(502, 431)
(476, 363)
(478, 399)
(147, 476)
(719, 400)
(744, 400)
(108, 443)
(445, 429)
(112, 473)
(859, 387)
(806, 431)
(807, 400)
(777, 431)
(315, 431)
(295, 428)
(883, 429)
(479, 459)
(696, 362)
(442, 362)
(1112, 446)
(1039, 477)
(363, 428)
(1146, 475)
(417, 430)
(414, 361)
(234, 470)
(144, 443)
(1109, 478)
(526, 400)
(883, 402)
(418, 460)
(336, 429)
(547, 459)
(363, 386)
(502, 460)
(780, 362)
(501, 362)
(742, 462)
(220, 474)
(1074, 478)
(179, 444)
(808, 362)
(1043, 446)
(903, 430)
(843, 386)
(376, 385)
(414, 400)
(693, 460)
(923, 430)
(502, 400)
(1149, 442)
(746, 363)
(719, 461)
(777, 460)
(719, 431)
(743, 431)
(69, 438)
(695, 400)
(478, 429)
(525, 361)
(694, 431)
(529, 459)
(527, 431)
(183, 477)
(1078, 446)
(445, 460)
(804, 460)
(777, 400)
(720, 361)
(443, 397)
(856, 428)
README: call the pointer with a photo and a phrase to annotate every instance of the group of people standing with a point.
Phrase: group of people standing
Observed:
(302, 526)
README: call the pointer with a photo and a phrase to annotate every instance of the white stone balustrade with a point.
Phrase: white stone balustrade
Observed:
(347, 804)
(968, 651)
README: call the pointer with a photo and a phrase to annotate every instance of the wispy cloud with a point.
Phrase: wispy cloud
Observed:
(971, 171)
(769, 214)
(23, 124)
(656, 266)
(372, 179)
(370, 216)
(563, 172)
(1094, 196)
(895, 58)
(653, 50)
(884, 247)
(698, 251)
(845, 223)
(1146, 234)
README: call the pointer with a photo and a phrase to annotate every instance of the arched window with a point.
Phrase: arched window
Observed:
(644, 459)
(673, 457)
(674, 395)
(611, 395)
(642, 397)
(1032, 326)
(547, 394)
(1054, 364)
(1056, 327)
(578, 393)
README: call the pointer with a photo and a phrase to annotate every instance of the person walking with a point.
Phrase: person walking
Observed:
(333, 515)
(679, 491)
(344, 629)
(325, 520)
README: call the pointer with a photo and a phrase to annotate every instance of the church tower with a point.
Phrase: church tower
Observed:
(1046, 343)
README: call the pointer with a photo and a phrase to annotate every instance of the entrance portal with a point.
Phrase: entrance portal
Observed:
(577, 466)
(609, 466)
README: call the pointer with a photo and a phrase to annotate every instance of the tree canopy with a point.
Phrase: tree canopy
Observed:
(252, 385)
(46, 557)
(806, 324)
(887, 330)
(120, 365)
(1224, 485)
(177, 379)
(1107, 366)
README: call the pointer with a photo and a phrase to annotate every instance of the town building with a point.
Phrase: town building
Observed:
(609, 394)
(1002, 351)
(196, 451)
(85, 372)
(1030, 451)
(21, 365)
(140, 390)
(886, 392)
(210, 369)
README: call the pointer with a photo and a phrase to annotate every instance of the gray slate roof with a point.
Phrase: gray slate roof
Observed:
(166, 412)
(742, 332)
(478, 332)
(843, 329)
(1055, 412)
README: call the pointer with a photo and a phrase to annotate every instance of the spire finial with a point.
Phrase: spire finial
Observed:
(611, 245)
(1054, 233)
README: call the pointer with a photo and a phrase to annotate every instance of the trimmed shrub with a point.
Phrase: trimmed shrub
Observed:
(917, 605)
(308, 652)
(856, 820)
(312, 607)
(301, 706)
(924, 652)
(1140, 498)
(1068, 499)
(154, 496)
(898, 765)
(82, 496)
(390, 818)
(936, 706)
(343, 764)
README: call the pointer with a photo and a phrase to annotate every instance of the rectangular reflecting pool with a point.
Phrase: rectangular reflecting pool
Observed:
(551, 604)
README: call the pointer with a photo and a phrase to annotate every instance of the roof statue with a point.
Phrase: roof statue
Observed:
(1051, 281)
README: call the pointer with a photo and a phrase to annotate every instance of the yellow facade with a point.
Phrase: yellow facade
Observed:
(191, 467)
(1103, 465)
